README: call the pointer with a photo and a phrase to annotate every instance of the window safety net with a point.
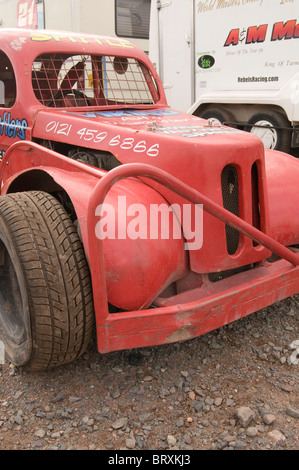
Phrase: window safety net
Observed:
(82, 80)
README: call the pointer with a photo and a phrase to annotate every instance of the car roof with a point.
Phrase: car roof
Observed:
(36, 42)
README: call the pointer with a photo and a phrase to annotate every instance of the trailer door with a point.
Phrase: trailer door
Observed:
(172, 49)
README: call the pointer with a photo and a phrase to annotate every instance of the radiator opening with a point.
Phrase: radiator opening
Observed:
(230, 196)
(256, 216)
(219, 276)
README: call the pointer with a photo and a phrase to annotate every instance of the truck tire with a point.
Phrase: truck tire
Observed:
(219, 116)
(46, 307)
(274, 133)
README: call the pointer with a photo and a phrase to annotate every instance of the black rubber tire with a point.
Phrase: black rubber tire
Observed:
(222, 115)
(46, 304)
(277, 120)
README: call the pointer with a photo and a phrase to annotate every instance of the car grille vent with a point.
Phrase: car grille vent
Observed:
(256, 216)
(230, 195)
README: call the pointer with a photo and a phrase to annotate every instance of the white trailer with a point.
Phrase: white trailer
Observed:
(123, 18)
(232, 61)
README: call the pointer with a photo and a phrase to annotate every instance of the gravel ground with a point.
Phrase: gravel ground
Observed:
(234, 388)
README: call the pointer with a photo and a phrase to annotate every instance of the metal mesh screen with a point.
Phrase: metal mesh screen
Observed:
(230, 194)
(256, 216)
(83, 80)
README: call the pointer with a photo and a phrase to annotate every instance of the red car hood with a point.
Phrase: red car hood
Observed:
(186, 146)
(164, 138)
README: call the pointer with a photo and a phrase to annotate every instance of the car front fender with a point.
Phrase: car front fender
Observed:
(282, 180)
(137, 270)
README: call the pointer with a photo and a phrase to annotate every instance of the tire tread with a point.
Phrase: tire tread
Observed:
(57, 277)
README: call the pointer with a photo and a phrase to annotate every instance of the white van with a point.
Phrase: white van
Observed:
(232, 61)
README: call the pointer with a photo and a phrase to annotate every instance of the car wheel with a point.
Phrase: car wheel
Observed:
(46, 308)
(219, 116)
(273, 129)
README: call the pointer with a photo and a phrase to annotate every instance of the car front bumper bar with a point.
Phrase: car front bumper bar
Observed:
(197, 311)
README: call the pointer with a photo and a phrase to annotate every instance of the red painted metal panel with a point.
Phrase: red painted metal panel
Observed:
(167, 157)
(189, 319)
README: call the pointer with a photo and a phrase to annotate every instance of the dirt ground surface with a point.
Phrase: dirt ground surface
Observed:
(234, 388)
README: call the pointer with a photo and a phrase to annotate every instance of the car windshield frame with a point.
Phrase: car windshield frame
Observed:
(63, 80)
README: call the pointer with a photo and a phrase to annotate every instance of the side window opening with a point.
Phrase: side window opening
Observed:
(132, 18)
(61, 80)
(8, 89)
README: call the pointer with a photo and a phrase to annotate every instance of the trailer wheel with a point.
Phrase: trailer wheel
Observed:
(219, 116)
(46, 308)
(272, 129)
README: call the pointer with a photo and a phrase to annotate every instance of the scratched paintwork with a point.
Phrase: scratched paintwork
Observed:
(162, 290)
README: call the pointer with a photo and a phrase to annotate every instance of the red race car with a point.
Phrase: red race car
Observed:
(121, 214)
